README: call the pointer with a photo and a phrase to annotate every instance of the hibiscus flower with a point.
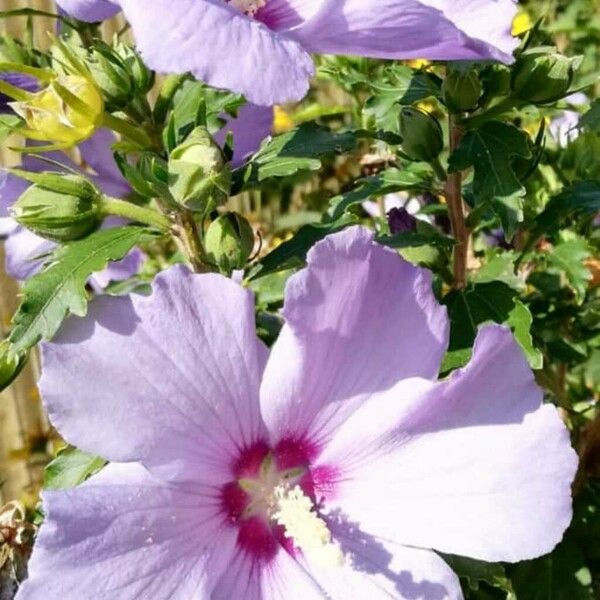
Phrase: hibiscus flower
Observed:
(261, 48)
(331, 467)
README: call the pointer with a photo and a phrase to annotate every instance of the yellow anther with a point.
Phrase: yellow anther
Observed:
(295, 512)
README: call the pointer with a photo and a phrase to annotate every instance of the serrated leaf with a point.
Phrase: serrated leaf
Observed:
(298, 150)
(414, 176)
(570, 257)
(482, 303)
(399, 85)
(490, 150)
(581, 198)
(70, 468)
(60, 288)
(500, 267)
(292, 253)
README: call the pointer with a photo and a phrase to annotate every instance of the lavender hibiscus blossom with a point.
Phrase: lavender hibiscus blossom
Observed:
(331, 468)
(25, 251)
(261, 47)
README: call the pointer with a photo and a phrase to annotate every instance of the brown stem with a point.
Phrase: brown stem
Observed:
(187, 234)
(453, 192)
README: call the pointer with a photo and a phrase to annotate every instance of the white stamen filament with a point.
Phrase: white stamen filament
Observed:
(302, 524)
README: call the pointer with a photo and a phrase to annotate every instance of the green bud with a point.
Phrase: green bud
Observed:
(461, 90)
(141, 76)
(543, 75)
(10, 365)
(422, 137)
(111, 75)
(59, 207)
(199, 176)
(229, 241)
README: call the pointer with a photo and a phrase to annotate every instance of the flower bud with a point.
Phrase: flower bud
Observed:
(461, 90)
(111, 75)
(401, 221)
(199, 176)
(66, 207)
(68, 111)
(229, 241)
(142, 77)
(542, 75)
(422, 137)
(10, 365)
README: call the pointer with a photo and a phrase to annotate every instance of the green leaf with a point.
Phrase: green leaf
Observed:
(399, 85)
(570, 257)
(60, 288)
(70, 468)
(500, 267)
(415, 176)
(590, 121)
(8, 123)
(298, 150)
(490, 150)
(482, 303)
(292, 253)
(520, 321)
(561, 575)
(581, 198)
(476, 570)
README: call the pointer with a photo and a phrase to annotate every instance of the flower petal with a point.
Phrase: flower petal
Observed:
(282, 578)
(379, 570)
(432, 29)
(220, 46)
(24, 253)
(97, 153)
(123, 534)
(460, 466)
(184, 365)
(358, 319)
(119, 270)
(251, 126)
(11, 187)
(89, 10)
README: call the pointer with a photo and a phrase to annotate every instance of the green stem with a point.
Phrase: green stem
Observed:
(191, 245)
(497, 110)
(128, 130)
(133, 212)
(13, 92)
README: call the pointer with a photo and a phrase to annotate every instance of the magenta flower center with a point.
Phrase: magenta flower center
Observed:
(274, 500)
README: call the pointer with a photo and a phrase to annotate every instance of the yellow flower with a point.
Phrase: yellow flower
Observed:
(521, 23)
(66, 112)
(282, 121)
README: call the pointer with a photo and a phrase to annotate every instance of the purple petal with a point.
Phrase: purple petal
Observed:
(97, 153)
(11, 188)
(24, 82)
(252, 125)
(432, 29)
(123, 534)
(220, 46)
(185, 366)
(25, 252)
(473, 465)
(89, 10)
(358, 319)
(119, 270)
(281, 15)
(378, 569)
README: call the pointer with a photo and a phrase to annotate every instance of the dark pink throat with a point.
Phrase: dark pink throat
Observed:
(245, 500)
